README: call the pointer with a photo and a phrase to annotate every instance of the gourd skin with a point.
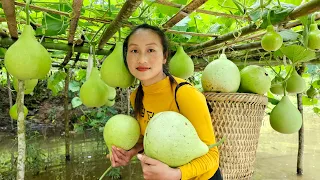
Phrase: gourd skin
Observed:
(221, 75)
(271, 41)
(27, 58)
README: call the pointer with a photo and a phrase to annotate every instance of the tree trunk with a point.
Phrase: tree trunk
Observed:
(66, 115)
(301, 131)
(21, 133)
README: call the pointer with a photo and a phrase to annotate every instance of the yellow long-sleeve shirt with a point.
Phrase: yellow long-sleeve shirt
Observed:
(159, 97)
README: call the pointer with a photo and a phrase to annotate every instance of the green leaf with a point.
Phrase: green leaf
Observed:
(100, 114)
(76, 101)
(277, 14)
(308, 101)
(273, 101)
(56, 82)
(74, 86)
(316, 84)
(297, 53)
(81, 75)
(54, 24)
(289, 35)
(316, 110)
(215, 28)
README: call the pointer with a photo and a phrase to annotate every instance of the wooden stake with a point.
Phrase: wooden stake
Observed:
(21, 132)
(301, 131)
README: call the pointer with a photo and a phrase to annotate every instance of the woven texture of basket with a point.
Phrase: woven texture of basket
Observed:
(238, 117)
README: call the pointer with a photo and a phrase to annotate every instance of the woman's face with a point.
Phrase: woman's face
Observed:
(145, 56)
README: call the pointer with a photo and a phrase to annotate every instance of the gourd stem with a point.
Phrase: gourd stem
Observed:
(94, 56)
(110, 167)
(272, 68)
(284, 86)
(313, 18)
(268, 18)
(218, 143)
(27, 11)
(119, 34)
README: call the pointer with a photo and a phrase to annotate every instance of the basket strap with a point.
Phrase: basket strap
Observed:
(175, 95)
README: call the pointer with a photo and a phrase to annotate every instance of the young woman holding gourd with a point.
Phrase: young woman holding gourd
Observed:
(146, 53)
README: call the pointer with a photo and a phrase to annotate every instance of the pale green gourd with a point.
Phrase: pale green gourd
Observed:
(285, 117)
(295, 83)
(122, 131)
(171, 138)
(114, 71)
(221, 75)
(181, 65)
(94, 92)
(27, 59)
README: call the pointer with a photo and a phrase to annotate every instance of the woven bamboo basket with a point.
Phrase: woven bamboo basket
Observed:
(238, 117)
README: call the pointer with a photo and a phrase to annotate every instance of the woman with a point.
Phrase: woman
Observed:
(145, 53)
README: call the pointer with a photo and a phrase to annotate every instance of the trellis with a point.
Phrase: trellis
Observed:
(232, 40)
(205, 49)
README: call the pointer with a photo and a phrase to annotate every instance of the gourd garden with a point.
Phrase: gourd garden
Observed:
(65, 89)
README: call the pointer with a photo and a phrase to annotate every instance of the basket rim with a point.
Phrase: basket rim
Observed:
(237, 97)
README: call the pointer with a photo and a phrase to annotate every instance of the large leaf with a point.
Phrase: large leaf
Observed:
(76, 101)
(297, 53)
(74, 86)
(289, 35)
(56, 82)
(308, 101)
(53, 24)
(277, 14)
(316, 110)
(316, 84)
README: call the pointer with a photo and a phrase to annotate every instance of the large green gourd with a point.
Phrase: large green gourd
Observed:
(94, 92)
(27, 58)
(28, 85)
(271, 41)
(114, 71)
(122, 131)
(221, 75)
(314, 37)
(295, 83)
(285, 117)
(255, 79)
(172, 139)
(181, 65)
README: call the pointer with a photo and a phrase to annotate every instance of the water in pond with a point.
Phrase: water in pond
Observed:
(276, 156)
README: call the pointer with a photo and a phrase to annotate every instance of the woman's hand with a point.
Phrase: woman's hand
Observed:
(120, 157)
(156, 170)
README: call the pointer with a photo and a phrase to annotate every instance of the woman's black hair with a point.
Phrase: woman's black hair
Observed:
(138, 106)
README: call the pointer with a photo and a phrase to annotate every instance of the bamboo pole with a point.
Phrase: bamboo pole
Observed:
(9, 10)
(247, 46)
(21, 132)
(10, 96)
(7, 42)
(126, 11)
(185, 11)
(66, 114)
(105, 20)
(301, 131)
(192, 33)
(76, 8)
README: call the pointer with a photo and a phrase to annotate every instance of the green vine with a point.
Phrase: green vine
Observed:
(27, 12)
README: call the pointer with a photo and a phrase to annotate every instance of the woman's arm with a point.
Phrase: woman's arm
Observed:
(193, 106)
